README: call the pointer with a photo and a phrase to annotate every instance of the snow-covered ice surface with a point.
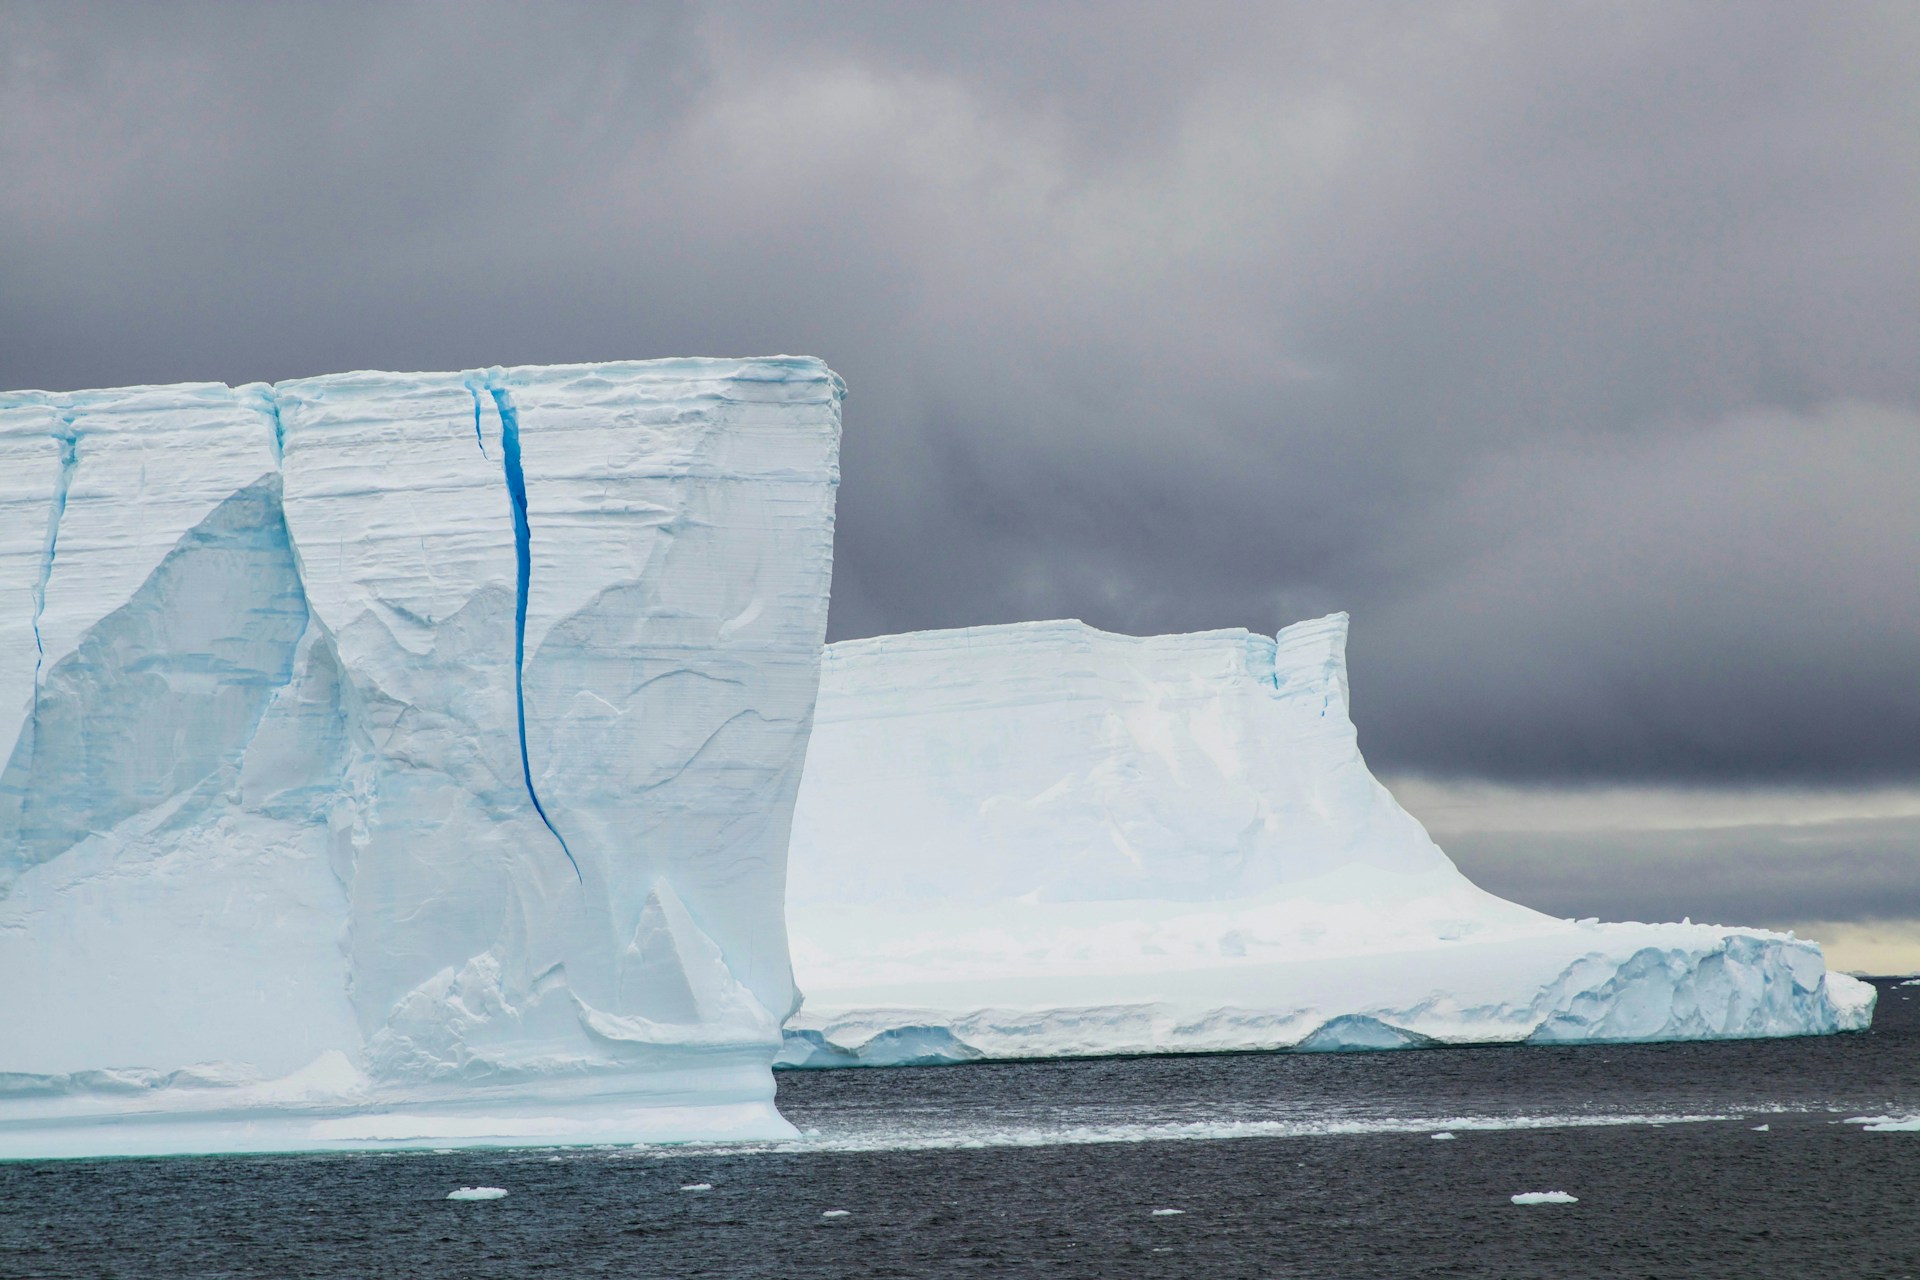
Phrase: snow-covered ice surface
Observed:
(1044, 840)
(405, 758)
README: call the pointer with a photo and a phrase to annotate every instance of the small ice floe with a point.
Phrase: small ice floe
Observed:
(478, 1193)
(1441, 1137)
(1545, 1197)
(837, 1213)
(1168, 1213)
(1887, 1124)
(698, 1186)
(1763, 1128)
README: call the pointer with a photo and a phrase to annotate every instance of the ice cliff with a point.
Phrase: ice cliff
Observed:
(405, 758)
(1045, 840)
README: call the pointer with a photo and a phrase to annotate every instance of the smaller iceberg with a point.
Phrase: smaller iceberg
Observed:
(478, 1193)
(1545, 1197)
(1044, 840)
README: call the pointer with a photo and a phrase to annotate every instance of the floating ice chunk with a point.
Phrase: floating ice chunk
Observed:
(1763, 1128)
(698, 1186)
(1357, 1033)
(478, 1193)
(1911, 982)
(837, 1213)
(1441, 1137)
(1887, 1124)
(1545, 1197)
(1168, 1213)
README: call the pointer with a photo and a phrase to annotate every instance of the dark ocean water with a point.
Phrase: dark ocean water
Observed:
(1280, 1165)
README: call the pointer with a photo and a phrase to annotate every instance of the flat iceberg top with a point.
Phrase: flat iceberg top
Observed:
(1066, 658)
(669, 370)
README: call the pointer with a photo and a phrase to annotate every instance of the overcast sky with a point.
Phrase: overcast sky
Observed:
(1573, 349)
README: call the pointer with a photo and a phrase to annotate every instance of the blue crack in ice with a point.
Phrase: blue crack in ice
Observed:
(69, 439)
(523, 557)
(477, 437)
(271, 402)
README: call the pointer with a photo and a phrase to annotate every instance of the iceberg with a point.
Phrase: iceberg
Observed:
(1044, 840)
(406, 759)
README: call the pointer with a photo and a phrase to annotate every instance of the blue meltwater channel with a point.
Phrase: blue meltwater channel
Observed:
(523, 557)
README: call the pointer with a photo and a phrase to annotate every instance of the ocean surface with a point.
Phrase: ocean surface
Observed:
(1222, 1166)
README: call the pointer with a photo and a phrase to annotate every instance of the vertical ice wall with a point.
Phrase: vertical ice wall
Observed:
(425, 741)
(1054, 761)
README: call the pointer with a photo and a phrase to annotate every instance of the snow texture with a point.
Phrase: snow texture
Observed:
(1043, 840)
(405, 759)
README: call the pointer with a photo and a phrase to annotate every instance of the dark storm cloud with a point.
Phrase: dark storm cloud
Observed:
(1865, 870)
(1571, 348)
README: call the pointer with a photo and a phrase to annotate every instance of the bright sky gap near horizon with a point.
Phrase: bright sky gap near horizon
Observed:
(1569, 348)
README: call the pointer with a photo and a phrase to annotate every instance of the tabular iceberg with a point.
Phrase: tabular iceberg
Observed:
(405, 758)
(1045, 840)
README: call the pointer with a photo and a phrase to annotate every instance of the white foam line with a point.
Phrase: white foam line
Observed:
(1172, 1131)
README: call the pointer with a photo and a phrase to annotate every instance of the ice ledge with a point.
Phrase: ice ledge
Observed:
(1610, 984)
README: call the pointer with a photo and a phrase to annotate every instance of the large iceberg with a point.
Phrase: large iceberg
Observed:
(405, 759)
(1044, 840)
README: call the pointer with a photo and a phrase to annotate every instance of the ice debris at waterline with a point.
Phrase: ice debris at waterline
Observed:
(406, 759)
(1043, 840)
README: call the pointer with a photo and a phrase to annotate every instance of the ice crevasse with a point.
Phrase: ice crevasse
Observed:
(405, 758)
(1044, 840)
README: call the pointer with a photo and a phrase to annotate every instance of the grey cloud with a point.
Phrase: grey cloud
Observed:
(1778, 876)
(1569, 347)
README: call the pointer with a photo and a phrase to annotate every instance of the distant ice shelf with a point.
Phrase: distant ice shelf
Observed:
(1044, 840)
(405, 759)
